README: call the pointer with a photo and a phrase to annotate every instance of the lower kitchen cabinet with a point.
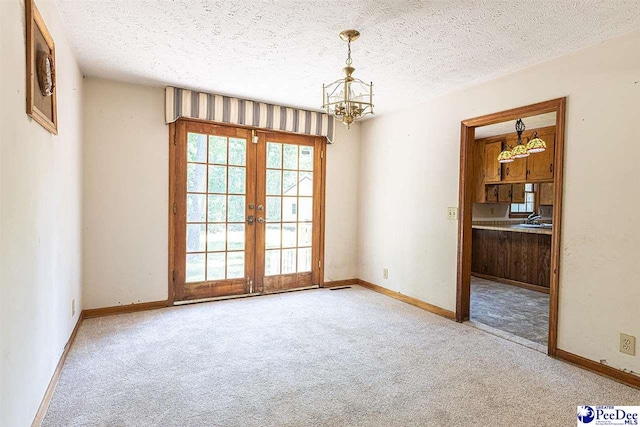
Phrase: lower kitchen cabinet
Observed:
(523, 257)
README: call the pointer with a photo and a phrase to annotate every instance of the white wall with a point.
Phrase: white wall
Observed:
(40, 245)
(126, 196)
(341, 216)
(409, 175)
(126, 181)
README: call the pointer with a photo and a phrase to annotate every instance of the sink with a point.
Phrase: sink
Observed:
(543, 225)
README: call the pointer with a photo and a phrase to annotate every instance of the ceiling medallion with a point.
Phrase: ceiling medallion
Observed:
(348, 99)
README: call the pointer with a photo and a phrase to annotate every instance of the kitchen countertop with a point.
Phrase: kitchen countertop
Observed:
(513, 228)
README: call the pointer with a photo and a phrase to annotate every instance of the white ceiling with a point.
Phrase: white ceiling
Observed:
(531, 122)
(283, 50)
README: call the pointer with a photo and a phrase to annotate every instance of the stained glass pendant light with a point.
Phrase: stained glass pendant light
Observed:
(520, 150)
(505, 156)
(536, 145)
(348, 99)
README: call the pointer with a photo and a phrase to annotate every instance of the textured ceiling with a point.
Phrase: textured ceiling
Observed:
(283, 50)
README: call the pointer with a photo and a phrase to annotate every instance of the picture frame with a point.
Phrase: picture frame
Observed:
(41, 76)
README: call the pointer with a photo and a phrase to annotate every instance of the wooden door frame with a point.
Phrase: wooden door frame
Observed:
(467, 138)
(172, 195)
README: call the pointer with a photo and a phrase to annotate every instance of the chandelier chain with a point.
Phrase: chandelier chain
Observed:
(348, 61)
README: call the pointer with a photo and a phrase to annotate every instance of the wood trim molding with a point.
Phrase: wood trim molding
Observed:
(558, 184)
(523, 285)
(598, 368)
(409, 300)
(336, 283)
(467, 137)
(172, 197)
(48, 394)
(119, 309)
(515, 113)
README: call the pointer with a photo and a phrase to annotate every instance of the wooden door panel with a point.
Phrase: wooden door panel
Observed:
(540, 165)
(504, 193)
(515, 171)
(492, 193)
(492, 168)
(517, 193)
(479, 193)
(545, 190)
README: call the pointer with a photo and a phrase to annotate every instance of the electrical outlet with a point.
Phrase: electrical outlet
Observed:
(385, 273)
(73, 307)
(628, 344)
(452, 213)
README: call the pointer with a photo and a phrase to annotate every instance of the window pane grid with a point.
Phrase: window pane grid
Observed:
(218, 207)
(289, 212)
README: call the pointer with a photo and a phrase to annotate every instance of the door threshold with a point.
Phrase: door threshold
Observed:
(255, 294)
(507, 336)
(305, 288)
(195, 301)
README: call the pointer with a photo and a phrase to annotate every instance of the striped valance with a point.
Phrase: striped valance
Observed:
(225, 109)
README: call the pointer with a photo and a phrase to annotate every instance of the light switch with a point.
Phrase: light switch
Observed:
(452, 213)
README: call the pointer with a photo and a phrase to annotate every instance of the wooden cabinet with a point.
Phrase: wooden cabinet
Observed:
(504, 193)
(515, 171)
(479, 192)
(522, 257)
(492, 193)
(545, 193)
(517, 193)
(492, 168)
(540, 165)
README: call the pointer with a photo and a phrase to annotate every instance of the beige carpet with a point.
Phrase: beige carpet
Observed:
(315, 358)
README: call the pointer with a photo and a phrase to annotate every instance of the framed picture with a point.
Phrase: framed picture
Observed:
(41, 71)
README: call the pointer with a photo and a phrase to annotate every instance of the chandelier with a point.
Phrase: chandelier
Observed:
(534, 145)
(348, 99)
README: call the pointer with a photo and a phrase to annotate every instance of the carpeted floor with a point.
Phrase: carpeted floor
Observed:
(514, 310)
(350, 357)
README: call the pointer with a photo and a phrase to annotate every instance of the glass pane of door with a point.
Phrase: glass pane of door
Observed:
(214, 189)
(246, 215)
(289, 191)
(216, 199)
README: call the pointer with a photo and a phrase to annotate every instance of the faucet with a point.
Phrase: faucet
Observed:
(532, 218)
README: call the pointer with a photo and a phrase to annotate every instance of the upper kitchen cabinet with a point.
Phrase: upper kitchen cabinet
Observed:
(545, 193)
(515, 171)
(504, 193)
(540, 165)
(518, 193)
(492, 168)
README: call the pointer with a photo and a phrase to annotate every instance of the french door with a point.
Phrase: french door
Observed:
(247, 211)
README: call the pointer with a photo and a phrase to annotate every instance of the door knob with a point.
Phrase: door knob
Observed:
(250, 219)
(260, 220)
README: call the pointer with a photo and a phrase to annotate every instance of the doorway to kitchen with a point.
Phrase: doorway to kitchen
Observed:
(509, 230)
(246, 211)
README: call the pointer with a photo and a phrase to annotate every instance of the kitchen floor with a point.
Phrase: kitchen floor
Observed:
(517, 311)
